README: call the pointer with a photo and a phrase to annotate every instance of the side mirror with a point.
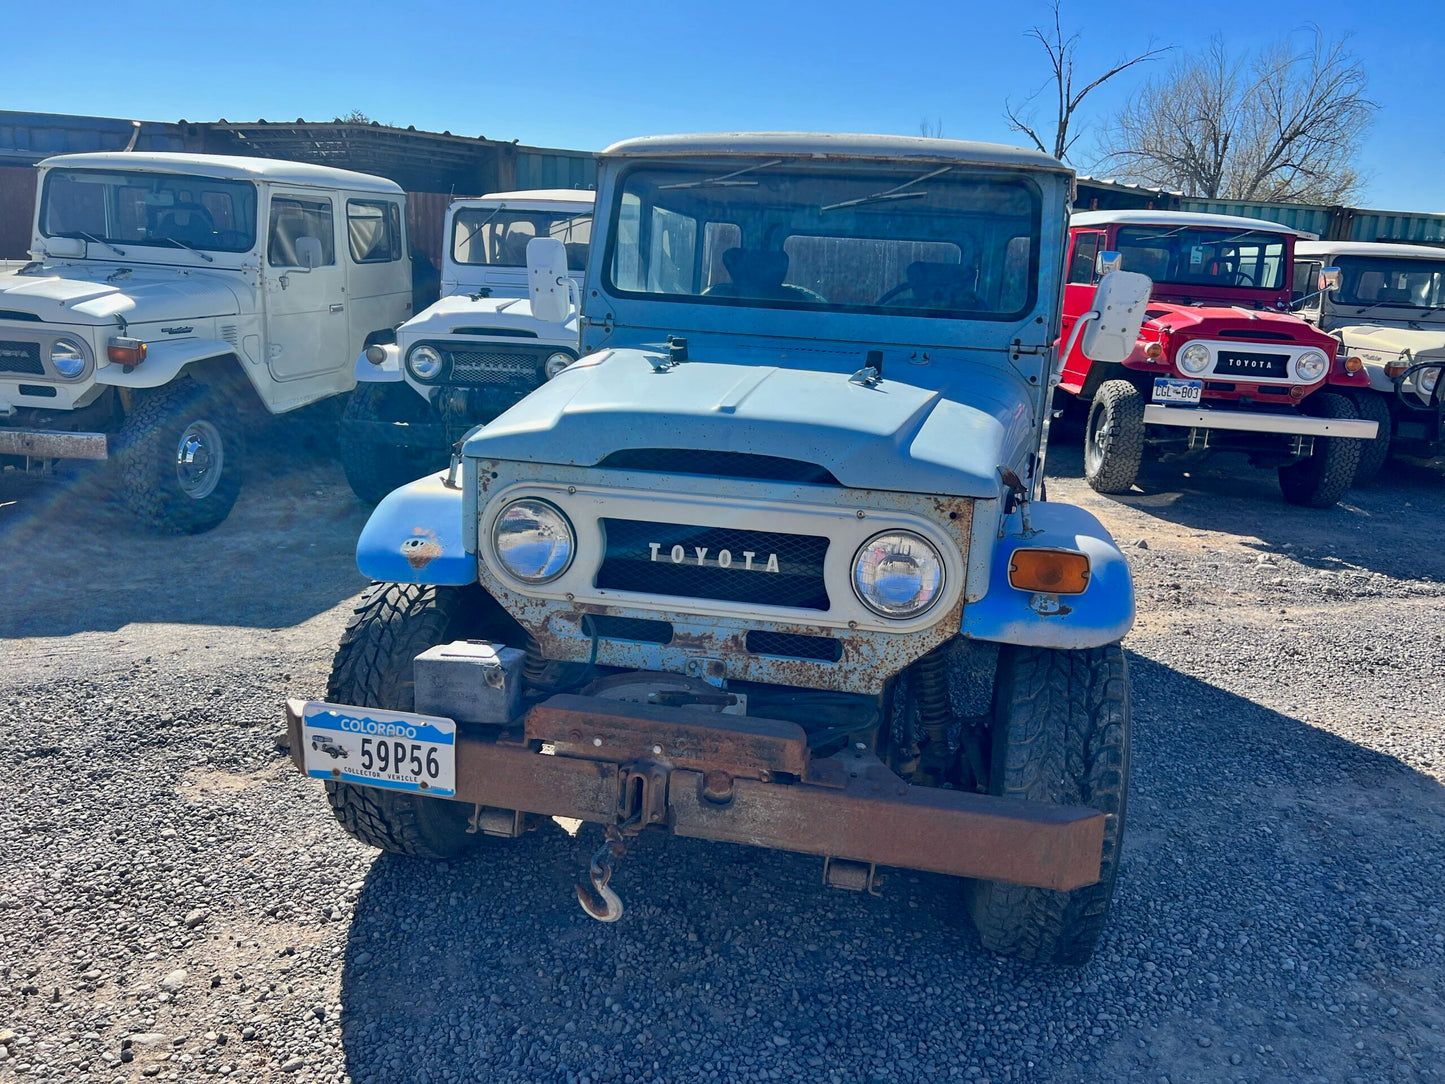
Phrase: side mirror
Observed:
(1106, 262)
(308, 252)
(65, 247)
(1329, 278)
(1120, 300)
(547, 279)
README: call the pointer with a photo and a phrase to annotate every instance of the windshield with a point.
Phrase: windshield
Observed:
(498, 238)
(1411, 284)
(124, 208)
(1198, 256)
(912, 239)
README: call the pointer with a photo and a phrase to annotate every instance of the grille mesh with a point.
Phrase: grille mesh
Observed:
(1247, 363)
(495, 368)
(611, 627)
(724, 572)
(791, 645)
(17, 357)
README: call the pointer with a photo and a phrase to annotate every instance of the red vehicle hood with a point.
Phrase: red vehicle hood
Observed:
(1235, 322)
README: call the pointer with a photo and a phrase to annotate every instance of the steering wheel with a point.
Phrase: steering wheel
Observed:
(964, 299)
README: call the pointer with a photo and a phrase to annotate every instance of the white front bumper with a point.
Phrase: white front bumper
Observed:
(1248, 422)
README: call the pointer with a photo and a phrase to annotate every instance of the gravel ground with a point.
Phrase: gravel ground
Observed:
(177, 904)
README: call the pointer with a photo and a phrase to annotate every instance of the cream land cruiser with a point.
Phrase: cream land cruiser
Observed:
(170, 294)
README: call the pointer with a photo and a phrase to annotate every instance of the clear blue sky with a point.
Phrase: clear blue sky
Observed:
(581, 75)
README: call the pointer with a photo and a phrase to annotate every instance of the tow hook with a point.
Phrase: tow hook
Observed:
(599, 901)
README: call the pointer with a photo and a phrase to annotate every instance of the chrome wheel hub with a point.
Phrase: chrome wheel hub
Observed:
(199, 459)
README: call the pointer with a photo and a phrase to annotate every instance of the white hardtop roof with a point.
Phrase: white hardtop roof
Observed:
(1368, 248)
(833, 145)
(225, 166)
(1174, 218)
(576, 196)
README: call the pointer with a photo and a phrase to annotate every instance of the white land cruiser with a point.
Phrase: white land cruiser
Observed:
(168, 293)
(1385, 303)
(477, 351)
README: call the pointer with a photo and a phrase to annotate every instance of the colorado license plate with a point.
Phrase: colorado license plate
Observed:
(398, 750)
(1170, 389)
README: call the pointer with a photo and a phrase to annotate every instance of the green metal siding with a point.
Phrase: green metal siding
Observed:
(538, 167)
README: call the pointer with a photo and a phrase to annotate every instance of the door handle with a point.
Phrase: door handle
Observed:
(337, 308)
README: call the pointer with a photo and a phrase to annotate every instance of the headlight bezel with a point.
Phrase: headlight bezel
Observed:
(1199, 351)
(77, 353)
(881, 608)
(566, 360)
(548, 573)
(411, 362)
(1317, 359)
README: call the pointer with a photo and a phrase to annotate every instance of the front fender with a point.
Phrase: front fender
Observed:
(163, 361)
(388, 372)
(1101, 615)
(415, 535)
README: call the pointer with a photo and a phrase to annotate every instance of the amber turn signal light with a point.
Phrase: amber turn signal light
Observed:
(126, 351)
(1153, 351)
(1354, 364)
(1395, 368)
(1053, 572)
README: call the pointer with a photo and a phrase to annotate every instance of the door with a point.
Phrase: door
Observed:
(1079, 299)
(306, 302)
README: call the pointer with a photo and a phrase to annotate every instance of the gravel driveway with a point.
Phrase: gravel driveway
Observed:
(176, 903)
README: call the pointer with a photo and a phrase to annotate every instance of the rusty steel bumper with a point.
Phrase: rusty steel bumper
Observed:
(747, 780)
(47, 444)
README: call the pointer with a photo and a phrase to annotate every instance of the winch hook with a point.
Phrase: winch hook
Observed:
(599, 901)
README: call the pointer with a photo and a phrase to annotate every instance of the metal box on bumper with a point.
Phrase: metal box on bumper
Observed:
(749, 780)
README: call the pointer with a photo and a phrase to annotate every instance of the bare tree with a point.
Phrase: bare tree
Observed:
(1061, 52)
(933, 129)
(1286, 124)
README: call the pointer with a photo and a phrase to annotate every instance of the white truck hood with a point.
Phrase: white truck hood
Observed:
(459, 314)
(895, 435)
(62, 296)
(1392, 341)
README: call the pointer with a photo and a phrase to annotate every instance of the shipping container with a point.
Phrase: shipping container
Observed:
(1332, 223)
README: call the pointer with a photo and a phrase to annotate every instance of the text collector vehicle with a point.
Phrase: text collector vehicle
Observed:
(766, 564)
(1221, 364)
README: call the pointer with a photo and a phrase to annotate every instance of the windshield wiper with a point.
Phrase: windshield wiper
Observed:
(478, 229)
(897, 192)
(97, 240)
(727, 180)
(191, 248)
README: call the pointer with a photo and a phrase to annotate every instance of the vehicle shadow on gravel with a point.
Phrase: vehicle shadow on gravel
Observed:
(73, 560)
(1375, 528)
(1261, 893)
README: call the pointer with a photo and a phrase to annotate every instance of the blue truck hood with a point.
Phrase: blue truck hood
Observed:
(911, 434)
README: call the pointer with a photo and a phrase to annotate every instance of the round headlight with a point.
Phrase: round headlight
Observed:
(898, 574)
(67, 357)
(1311, 366)
(533, 540)
(1194, 358)
(1427, 379)
(556, 363)
(425, 362)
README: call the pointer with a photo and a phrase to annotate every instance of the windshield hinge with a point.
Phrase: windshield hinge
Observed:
(604, 325)
(1018, 347)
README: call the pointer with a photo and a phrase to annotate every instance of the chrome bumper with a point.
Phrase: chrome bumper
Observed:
(1249, 422)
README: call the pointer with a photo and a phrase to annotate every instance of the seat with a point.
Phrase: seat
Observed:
(189, 223)
(758, 274)
(942, 286)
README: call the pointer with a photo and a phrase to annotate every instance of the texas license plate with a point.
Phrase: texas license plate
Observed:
(1170, 389)
(398, 750)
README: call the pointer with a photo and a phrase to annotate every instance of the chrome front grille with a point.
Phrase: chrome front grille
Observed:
(495, 368)
(21, 357)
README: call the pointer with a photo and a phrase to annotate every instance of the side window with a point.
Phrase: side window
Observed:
(373, 230)
(1086, 252)
(1306, 278)
(298, 225)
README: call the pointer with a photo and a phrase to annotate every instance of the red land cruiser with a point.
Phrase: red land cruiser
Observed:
(1221, 363)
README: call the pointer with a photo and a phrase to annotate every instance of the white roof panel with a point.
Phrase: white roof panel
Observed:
(1368, 248)
(576, 197)
(225, 166)
(1174, 218)
(833, 145)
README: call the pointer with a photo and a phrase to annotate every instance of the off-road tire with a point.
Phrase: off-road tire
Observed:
(146, 450)
(1114, 437)
(1321, 480)
(1373, 407)
(391, 625)
(1061, 735)
(373, 469)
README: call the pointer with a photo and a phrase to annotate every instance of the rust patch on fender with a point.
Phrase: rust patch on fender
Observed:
(422, 549)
